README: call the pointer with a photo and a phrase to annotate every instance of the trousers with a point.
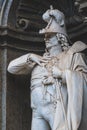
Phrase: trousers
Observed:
(43, 108)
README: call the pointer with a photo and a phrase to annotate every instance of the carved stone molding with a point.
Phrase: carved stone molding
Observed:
(22, 19)
(22, 23)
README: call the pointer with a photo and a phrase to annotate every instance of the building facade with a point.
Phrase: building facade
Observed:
(20, 22)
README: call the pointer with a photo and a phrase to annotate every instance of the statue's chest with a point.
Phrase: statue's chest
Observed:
(63, 61)
(52, 62)
(45, 68)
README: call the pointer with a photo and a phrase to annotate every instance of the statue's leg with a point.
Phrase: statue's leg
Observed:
(49, 114)
(39, 124)
(50, 119)
(43, 110)
(37, 104)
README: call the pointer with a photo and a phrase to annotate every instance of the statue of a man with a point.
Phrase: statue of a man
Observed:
(58, 78)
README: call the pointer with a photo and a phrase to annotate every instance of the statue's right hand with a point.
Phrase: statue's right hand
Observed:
(48, 80)
(37, 59)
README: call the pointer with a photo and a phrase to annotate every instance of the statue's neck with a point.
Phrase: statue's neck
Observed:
(54, 51)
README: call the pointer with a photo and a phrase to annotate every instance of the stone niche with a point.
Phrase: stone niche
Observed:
(20, 22)
(18, 111)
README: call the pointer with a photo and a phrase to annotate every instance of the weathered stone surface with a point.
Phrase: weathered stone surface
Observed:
(19, 25)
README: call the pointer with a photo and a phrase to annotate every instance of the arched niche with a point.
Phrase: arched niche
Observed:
(20, 21)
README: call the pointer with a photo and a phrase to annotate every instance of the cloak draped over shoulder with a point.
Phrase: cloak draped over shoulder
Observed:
(74, 65)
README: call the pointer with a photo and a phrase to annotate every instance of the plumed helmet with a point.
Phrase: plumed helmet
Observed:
(55, 22)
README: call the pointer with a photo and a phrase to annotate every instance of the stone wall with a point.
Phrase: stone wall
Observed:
(18, 98)
(0, 95)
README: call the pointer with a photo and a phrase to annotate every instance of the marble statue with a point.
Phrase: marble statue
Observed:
(58, 78)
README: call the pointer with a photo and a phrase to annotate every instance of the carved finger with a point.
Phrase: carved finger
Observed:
(47, 58)
(43, 61)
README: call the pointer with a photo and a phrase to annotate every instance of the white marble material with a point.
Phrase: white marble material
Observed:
(58, 78)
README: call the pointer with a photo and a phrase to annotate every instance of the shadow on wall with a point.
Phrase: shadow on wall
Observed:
(18, 103)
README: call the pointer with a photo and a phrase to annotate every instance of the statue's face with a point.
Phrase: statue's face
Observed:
(51, 40)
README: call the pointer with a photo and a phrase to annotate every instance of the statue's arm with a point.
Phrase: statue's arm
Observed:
(21, 65)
